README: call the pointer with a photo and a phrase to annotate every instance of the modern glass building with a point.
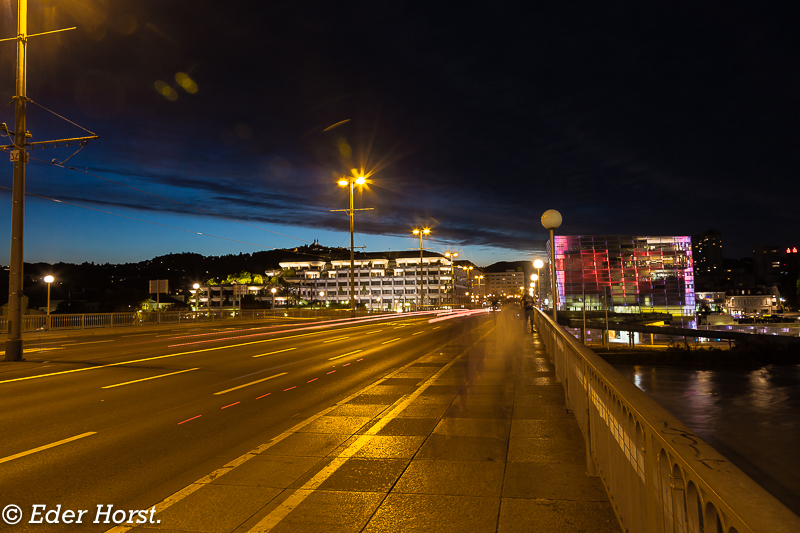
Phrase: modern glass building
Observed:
(625, 274)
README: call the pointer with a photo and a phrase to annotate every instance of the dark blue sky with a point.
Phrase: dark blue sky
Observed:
(664, 119)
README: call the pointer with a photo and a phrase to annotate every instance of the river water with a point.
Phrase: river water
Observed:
(752, 417)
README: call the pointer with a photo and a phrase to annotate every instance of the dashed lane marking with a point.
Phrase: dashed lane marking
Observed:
(344, 355)
(151, 377)
(277, 351)
(248, 384)
(45, 447)
(393, 340)
(334, 340)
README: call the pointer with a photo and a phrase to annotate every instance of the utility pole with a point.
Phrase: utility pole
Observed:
(19, 157)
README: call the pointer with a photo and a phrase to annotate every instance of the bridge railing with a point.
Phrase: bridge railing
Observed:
(659, 475)
(109, 320)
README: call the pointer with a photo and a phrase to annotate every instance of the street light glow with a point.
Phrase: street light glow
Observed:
(538, 263)
(343, 183)
(360, 180)
(49, 279)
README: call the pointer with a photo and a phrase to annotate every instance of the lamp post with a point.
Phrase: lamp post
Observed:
(273, 290)
(534, 284)
(421, 232)
(321, 295)
(452, 257)
(537, 264)
(480, 291)
(196, 288)
(48, 279)
(352, 182)
(551, 219)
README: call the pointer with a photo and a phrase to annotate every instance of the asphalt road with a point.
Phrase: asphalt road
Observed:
(149, 413)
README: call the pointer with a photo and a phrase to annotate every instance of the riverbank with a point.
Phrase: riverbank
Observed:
(753, 354)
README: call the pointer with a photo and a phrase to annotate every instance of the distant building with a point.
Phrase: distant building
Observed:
(713, 301)
(742, 303)
(708, 261)
(639, 274)
(383, 280)
(504, 284)
(767, 261)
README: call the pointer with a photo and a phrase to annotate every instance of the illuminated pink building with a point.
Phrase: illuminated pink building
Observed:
(638, 274)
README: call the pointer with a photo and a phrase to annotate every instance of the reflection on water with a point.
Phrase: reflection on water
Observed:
(751, 417)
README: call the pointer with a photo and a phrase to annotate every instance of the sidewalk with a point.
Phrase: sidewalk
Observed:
(477, 443)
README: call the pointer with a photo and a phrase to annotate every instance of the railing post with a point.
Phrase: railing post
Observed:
(83, 317)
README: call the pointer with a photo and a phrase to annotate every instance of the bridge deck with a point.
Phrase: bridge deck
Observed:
(472, 438)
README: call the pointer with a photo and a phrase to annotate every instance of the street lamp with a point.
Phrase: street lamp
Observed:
(537, 264)
(48, 279)
(321, 295)
(480, 291)
(452, 256)
(421, 232)
(196, 288)
(551, 219)
(352, 182)
(273, 290)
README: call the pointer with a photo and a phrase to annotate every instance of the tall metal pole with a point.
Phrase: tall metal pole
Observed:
(352, 258)
(421, 286)
(553, 276)
(19, 155)
(48, 307)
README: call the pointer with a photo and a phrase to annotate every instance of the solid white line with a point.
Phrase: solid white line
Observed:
(279, 351)
(146, 379)
(343, 355)
(251, 383)
(46, 446)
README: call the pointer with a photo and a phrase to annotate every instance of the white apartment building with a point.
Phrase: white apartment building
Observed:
(383, 281)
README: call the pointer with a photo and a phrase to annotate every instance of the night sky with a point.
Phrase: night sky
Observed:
(471, 117)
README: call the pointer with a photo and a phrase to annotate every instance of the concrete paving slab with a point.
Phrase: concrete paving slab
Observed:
(307, 444)
(473, 427)
(386, 447)
(349, 409)
(409, 426)
(542, 412)
(544, 428)
(364, 399)
(424, 411)
(447, 448)
(454, 478)
(551, 482)
(365, 475)
(412, 513)
(217, 508)
(336, 424)
(526, 516)
(550, 450)
(331, 512)
(498, 412)
(276, 471)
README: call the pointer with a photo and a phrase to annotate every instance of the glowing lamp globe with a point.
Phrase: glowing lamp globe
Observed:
(538, 263)
(551, 219)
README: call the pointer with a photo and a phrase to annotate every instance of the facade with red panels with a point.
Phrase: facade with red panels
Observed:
(625, 274)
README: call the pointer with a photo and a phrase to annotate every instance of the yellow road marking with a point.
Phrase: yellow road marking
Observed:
(344, 354)
(417, 333)
(206, 480)
(278, 351)
(333, 340)
(46, 446)
(387, 342)
(371, 332)
(147, 379)
(267, 523)
(251, 383)
(159, 357)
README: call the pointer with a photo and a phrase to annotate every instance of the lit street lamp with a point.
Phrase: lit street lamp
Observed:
(196, 288)
(344, 182)
(273, 290)
(452, 256)
(551, 219)
(48, 279)
(421, 232)
(321, 295)
(537, 264)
